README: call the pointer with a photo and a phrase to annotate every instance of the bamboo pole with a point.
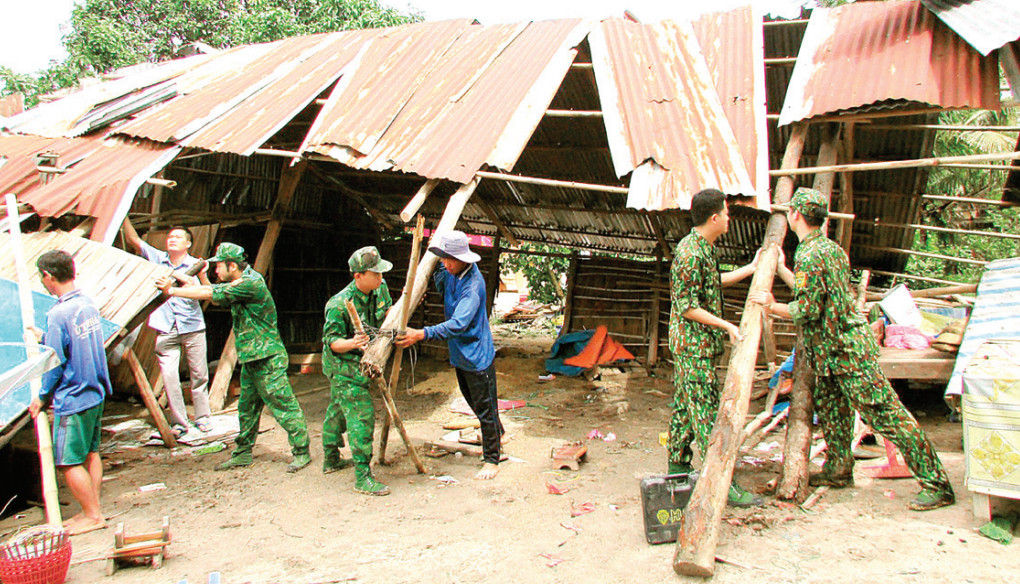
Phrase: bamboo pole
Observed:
(993, 234)
(896, 164)
(378, 352)
(398, 354)
(941, 128)
(925, 254)
(552, 183)
(932, 292)
(832, 214)
(911, 277)
(51, 496)
(699, 530)
(391, 406)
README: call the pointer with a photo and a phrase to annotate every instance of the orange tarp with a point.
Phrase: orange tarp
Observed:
(601, 349)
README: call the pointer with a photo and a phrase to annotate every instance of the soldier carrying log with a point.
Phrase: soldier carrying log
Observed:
(839, 345)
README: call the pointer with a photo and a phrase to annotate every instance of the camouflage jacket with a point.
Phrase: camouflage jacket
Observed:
(254, 315)
(836, 338)
(695, 283)
(372, 309)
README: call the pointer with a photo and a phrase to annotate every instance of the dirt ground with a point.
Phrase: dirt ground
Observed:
(262, 525)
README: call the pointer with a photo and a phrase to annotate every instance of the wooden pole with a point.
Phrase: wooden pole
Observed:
(398, 354)
(51, 496)
(652, 328)
(793, 484)
(391, 406)
(896, 164)
(150, 400)
(569, 184)
(845, 229)
(933, 292)
(699, 530)
(378, 352)
(568, 304)
(418, 199)
(289, 180)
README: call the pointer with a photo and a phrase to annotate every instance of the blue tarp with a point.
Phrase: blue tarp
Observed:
(996, 315)
(566, 347)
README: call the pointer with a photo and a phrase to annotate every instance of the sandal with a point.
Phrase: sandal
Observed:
(178, 430)
(203, 425)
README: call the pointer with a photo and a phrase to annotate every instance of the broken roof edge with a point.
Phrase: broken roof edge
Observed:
(108, 227)
(529, 114)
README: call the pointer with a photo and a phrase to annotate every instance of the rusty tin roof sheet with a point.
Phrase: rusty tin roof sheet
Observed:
(664, 119)
(733, 44)
(103, 184)
(874, 53)
(443, 99)
(985, 24)
(219, 86)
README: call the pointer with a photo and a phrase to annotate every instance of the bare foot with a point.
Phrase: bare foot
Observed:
(72, 520)
(488, 472)
(76, 526)
(506, 437)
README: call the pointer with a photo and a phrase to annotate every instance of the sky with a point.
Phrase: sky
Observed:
(33, 30)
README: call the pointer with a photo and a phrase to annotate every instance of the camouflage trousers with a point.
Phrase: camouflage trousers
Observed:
(695, 405)
(870, 394)
(264, 383)
(350, 409)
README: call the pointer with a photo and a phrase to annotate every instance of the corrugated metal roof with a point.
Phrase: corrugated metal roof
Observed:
(443, 99)
(103, 184)
(985, 24)
(734, 47)
(218, 86)
(61, 117)
(663, 115)
(247, 126)
(885, 53)
(19, 174)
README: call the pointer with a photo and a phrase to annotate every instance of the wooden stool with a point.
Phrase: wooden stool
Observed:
(139, 549)
(569, 456)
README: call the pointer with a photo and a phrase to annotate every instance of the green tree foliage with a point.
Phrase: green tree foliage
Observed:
(542, 272)
(110, 34)
(971, 183)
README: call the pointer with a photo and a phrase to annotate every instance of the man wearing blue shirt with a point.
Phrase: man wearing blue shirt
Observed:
(466, 330)
(77, 388)
(180, 325)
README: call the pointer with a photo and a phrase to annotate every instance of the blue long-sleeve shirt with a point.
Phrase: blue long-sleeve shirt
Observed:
(466, 328)
(74, 331)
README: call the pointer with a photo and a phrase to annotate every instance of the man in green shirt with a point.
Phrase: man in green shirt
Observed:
(844, 354)
(259, 351)
(696, 329)
(350, 407)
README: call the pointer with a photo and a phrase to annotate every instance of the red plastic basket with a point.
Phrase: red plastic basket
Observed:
(40, 555)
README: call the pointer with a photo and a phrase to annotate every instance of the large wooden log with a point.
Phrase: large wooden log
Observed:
(699, 531)
(378, 351)
(793, 483)
(289, 180)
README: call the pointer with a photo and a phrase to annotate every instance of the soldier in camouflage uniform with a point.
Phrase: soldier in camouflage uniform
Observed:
(696, 330)
(350, 407)
(259, 351)
(844, 354)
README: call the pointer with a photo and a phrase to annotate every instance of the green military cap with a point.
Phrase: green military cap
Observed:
(810, 203)
(228, 252)
(367, 259)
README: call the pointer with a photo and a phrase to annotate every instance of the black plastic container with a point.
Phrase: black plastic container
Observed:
(663, 498)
